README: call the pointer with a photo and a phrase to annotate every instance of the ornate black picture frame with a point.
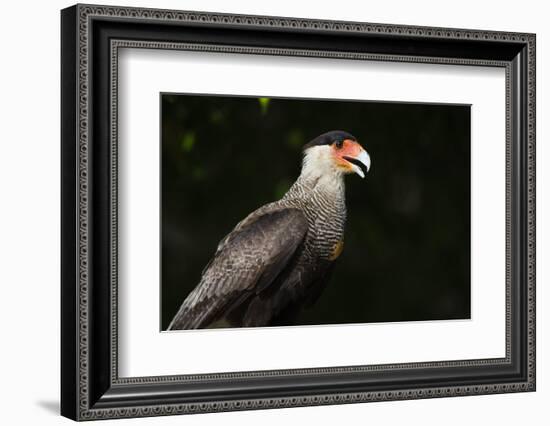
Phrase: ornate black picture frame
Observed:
(91, 37)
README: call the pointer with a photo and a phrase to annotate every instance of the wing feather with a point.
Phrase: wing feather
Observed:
(247, 261)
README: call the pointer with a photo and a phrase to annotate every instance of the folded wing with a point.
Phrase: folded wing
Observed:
(247, 261)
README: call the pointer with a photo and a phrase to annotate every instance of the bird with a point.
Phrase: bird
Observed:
(278, 259)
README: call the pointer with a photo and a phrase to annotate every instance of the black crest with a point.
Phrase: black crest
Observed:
(329, 138)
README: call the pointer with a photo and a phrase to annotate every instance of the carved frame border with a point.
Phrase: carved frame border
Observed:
(85, 409)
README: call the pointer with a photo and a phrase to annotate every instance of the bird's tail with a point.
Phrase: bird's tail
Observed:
(195, 312)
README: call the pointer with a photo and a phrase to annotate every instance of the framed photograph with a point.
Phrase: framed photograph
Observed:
(263, 212)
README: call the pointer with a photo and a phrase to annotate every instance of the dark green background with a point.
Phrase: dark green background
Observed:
(407, 250)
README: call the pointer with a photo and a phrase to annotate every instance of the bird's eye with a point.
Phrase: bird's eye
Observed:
(339, 144)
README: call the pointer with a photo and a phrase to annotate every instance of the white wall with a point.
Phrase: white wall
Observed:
(29, 225)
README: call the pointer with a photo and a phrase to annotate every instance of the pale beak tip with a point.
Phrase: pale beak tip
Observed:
(364, 157)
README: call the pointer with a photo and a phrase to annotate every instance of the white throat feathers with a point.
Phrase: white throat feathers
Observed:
(320, 172)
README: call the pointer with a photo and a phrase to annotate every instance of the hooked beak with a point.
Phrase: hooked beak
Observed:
(359, 163)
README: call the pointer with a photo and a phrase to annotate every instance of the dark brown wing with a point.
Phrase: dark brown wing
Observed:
(248, 261)
(279, 306)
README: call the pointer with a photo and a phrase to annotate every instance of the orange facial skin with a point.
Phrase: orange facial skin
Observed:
(348, 148)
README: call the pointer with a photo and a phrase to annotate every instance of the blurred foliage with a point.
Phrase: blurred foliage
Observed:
(264, 104)
(407, 250)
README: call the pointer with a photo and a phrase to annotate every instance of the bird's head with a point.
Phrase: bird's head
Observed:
(337, 152)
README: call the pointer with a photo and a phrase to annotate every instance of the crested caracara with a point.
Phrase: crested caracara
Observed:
(278, 259)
